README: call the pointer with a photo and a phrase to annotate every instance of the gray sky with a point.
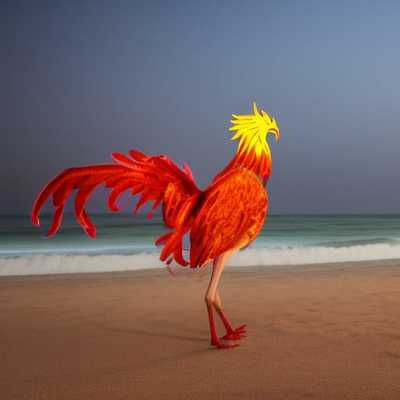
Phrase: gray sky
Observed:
(80, 79)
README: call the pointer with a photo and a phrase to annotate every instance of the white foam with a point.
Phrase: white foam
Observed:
(66, 264)
(315, 255)
(56, 264)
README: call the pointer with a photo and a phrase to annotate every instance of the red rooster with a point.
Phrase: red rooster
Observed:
(223, 218)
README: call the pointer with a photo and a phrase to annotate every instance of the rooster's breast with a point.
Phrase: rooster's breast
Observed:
(231, 215)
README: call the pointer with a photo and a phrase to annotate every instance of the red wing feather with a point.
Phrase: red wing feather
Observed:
(231, 216)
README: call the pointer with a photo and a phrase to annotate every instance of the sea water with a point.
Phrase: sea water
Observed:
(126, 242)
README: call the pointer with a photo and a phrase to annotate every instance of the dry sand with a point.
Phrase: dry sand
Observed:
(314, 332)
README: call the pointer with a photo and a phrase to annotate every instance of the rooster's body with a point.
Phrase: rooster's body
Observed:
(221, 219)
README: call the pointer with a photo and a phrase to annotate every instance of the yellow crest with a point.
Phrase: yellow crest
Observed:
(252, 130)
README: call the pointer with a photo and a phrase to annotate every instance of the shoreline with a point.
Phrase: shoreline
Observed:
(183, 271)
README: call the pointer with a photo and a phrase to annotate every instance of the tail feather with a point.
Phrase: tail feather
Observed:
(88, 224)
(173, 245)
(57, 219)
(138, 155)
(61, 194)
(119, 188)
(156, 178)
(123, 160)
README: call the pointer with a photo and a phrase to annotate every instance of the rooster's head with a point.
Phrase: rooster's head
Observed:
(252, 131)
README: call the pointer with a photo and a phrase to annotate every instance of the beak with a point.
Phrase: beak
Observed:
(276, 132)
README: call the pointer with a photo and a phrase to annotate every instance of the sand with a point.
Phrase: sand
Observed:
(314, 332)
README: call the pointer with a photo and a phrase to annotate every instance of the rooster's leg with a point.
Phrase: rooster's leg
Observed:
(210, 299)
(231, 333)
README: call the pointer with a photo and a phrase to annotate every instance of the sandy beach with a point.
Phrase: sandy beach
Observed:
(314, 332)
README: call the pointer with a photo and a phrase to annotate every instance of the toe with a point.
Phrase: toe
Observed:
(233, 336)
(241, 329)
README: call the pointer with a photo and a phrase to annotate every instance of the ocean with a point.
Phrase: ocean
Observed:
(126, 242)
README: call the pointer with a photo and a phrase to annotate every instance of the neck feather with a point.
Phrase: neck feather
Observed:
(260, 164)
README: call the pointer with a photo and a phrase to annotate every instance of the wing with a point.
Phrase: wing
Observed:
(155, 178)
(231, 216)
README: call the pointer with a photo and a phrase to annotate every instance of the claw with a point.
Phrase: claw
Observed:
(235, 334)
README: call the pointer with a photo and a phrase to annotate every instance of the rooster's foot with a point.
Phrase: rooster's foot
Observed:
(235, 334)
(220, 345)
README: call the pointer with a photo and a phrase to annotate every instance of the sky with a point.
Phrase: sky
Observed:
(81, 79)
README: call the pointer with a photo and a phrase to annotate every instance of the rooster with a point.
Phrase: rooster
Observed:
(225, 217)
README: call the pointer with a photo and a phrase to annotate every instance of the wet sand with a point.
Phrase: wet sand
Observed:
(314, 332)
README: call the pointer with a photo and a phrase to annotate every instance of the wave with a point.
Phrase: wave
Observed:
(316, 255)
(76, 263)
